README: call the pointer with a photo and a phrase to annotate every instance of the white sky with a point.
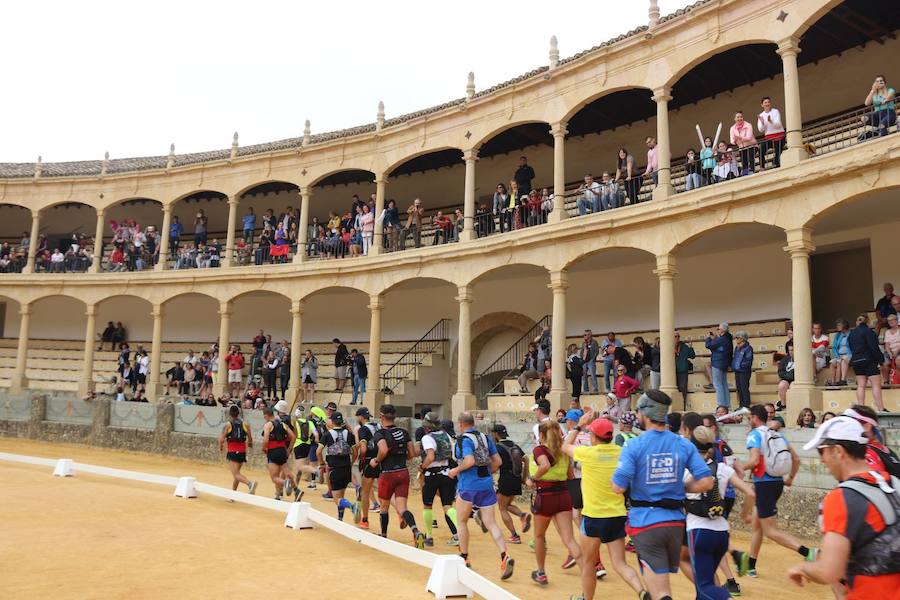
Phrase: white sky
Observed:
(82, 77)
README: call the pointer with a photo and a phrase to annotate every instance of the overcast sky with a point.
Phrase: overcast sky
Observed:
(84, 77)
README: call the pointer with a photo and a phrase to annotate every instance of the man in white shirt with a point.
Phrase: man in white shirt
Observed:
(56, 261)
(590, 201)
(541, 411)
(770, 126)
(190, 358)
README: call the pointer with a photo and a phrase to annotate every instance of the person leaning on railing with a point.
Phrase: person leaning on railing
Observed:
(770, 126)
(742, 136)
(881, 99)
(692, 166)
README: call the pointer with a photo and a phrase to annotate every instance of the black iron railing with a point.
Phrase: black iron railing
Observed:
(491, 379)
(433, 342)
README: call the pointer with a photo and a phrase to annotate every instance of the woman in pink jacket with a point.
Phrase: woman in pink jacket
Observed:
(742, 137)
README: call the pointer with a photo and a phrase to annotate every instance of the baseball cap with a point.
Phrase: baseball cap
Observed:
(839, 429)
(337, 418)
(544, 405)
(281, 406)
(363, 412)
(573, 414)
(602, 428)
(500, 428)
(433, 420)
(331, 406)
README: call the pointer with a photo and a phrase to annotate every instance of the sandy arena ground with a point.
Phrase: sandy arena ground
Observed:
(98, 537)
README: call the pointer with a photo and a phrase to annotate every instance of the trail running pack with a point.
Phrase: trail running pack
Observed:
(889, 459)
(481, 454)
(339, 444)
(776, 454)
(710, 505)
(516, 456)
(371, 448)
(237, 433)
(879, 555)
(278, 432)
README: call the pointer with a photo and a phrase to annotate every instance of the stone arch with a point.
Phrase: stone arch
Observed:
(711, 51)
(484, 270)
(262, 184)
(445, 151)
(321, 179)
(499, 130)
(583, 102)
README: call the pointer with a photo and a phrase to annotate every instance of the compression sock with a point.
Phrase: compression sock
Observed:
(450, 523)
(428, 515)
(752, 562)
(803, 551)
(451, 515)
(385, 517)
(410, 520)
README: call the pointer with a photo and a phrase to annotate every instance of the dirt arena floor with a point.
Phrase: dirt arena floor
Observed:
(98, 537)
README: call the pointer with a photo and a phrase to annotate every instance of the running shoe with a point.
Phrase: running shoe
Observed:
(576, 597)
(477, 516)
(375, 506)
(812, 555)
(526, 522)
(286, 488)
(311, 486)
(741, 561)
(569, 562)
(506, 567)
(298, 494)
(752, 573)
(539, 577)
(453, 541)
(600, 570)
(644, 595)
(429, 542)
(629, 546)
(733, 588)
(420, 540)
(514, 539)
(434, 524)
(357, 512)
(327, 496)
(252, 486)
(277, 497)
(364, 524)
(358, 492)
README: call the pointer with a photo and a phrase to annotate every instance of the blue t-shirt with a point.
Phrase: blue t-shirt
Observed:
(651, 467)
(468, 480)
(249, 221)
(754, 440)
(175, 230)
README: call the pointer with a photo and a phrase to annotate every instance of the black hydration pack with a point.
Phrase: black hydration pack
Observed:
(710, 505)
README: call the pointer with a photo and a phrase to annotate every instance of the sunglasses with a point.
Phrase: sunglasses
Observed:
(821, 449)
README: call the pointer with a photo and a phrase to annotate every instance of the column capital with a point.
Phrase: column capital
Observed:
(380, 180)
(799, 242)
(470, 155)
(24, 309)
(559, 280)
(376, 302)
(665, 266)
(36, 215)
(297, 307)
(464, 294)
(662, 94)
(233, 200)
(558, 129)
(167, 208)
(305, 190)
(225, 309)
(100, 212)
(156, 311)
(788, 46)
(90, 310)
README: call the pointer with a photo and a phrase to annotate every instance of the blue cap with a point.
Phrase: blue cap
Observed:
(574, 414)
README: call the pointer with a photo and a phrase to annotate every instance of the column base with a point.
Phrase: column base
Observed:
(219, 389)
(800, 397)
(466, 235)
(556, 216)
(461, 402)
(377, 246)
(151, 389)
(294, 394)
(559, 399)
(792, 156)
(663, 191)
(18, 384)
(374, 401)
(161, 265)
(84, 387)
(675, 395)
(299, 257)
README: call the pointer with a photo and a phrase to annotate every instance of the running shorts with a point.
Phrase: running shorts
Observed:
(438, 483)
(767, 496)
(277, 456)
(339, 477)
(394, 483)
(509, 486)
(606, 529)
(301, 451)
(479, 499)
(574, 486)
(550, 502)
(238, 457)
(659, 547)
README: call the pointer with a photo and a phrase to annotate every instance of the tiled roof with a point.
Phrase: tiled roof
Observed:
(125, 165)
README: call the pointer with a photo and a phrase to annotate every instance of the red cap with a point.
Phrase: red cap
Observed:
(602, 428)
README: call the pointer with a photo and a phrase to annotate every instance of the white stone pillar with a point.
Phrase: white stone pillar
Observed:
(152, 388)
(19, 382)
(224, 335)
(559, 396)
(86, 383)
(32, 245)
(374, 397)
(303, 225)
(464, 399)
(666, 271)
(97, 257)
(468, 232)
(664, 188)
(803, 392)
(164, 239)
(788, 49)
(233, 203)
(294, 385)
(559, 132)
(378, 240)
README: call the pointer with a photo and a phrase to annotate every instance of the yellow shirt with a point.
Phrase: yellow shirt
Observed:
(598, 463)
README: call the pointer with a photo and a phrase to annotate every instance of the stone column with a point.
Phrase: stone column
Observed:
(788, 49)
(233, 203)
(303, 225)
(86, 383)
(378, 239)
(32, 245)
(19, 382)
(664, 187)
(468, 232)
(803, 392)
(559, 132)
(559, 396)
(666, 271)
(463, 399)
(97, 257)
(374, 397)
(221, 381)
(293, 390)
(155, 353)
(164, 239)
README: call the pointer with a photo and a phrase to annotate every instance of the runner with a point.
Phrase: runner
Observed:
(626, 429)
(307, 439)
(437, 448)
(281, 413)
(707, 522)
(582, 439)
(340, 452)
(276, 438)
(771, 472)
(394, 448)
(319, 418)
(478, 459)
(604, 515)
(861, 519)
(366, 450)
(878, 455)
(237, 434)
(651, 468)
(513, 473)
(549, 470)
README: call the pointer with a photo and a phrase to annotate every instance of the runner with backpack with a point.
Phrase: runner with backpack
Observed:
(513, 473)
(306, 442)
(774, 464)
(366, 450)
(276, 439)
(878, 455)
(860, 518)
(237, 435)
(437, 447)
(340, 452)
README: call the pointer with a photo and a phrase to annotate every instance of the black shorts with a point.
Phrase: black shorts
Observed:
(509, 486)
(767, 495)
(238, 457)
(729, 504)
(438, 483)
(574, 486)
(865, 367)
(308, 379)
(368, 471)
(339, 477)
(301, 451)
(276, 456)
(606, 529)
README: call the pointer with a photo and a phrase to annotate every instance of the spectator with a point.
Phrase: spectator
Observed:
(652, 169)
(529, 368)
(200, 227)
(129, 375)
(819, 347)
(544, 343)
(367, 223)
(459, 223)
(643, 356)
(534, 209)
(108, 335)
(271, 369)
(143, 368)
(512, 208)
(235, 362)
(484, 221)
(866, 359)
(359, 372)
(413, 224)
(684, 352)
(443, 229)
(655, 366)
(591, 194)
(692, 167)
(500, 204)
(523, 176)
(120, 335)
(355, 243)
(785, 377)
(721, 353)
(881, 99)
(884, 307)
(769, 125)
(249, 224)
(608, 347)
(623, 387)
(840, 353)
(341, 364)
(175, 377)
(827, 416)
(806, 419)
(742, 365)
(726, 418)
(589, 351)
(56, 261)
(391, 219)
(891, 350)
(575, 370)
(726, 165)
(742, 137)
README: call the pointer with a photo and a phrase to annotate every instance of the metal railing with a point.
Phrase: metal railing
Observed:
(404, 369)
(489, 380)
(849, 129)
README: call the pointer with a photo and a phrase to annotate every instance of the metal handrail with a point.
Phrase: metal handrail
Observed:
(434, 339)
(492, 377)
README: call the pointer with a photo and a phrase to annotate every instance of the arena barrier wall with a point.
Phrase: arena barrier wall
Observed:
(449, 575)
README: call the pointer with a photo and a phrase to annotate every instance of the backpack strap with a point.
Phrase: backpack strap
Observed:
(876, 496)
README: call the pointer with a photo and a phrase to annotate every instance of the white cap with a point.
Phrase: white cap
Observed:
(281, 406)
(843, 429)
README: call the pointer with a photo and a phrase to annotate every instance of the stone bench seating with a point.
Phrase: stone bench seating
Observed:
(198, 347)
